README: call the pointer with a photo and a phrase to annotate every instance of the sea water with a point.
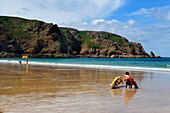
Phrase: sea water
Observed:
(147, 64)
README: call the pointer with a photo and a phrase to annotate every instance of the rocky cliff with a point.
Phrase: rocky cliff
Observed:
(39, 39)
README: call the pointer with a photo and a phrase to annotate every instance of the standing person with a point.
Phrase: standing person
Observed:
(129, 81)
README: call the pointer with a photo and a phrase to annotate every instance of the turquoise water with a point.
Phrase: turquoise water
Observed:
(128, 63)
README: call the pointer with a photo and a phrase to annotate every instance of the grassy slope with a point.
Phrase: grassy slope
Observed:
(16, 26)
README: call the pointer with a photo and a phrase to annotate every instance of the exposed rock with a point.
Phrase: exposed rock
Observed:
(84, 49)
(152, 55)
(40, 39)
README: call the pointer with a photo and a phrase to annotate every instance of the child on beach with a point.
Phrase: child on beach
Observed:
(129, 81)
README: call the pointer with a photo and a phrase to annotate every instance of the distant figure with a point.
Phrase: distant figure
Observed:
(20, 62)
(129, 81)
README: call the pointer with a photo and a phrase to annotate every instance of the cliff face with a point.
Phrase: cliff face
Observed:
(39, 39)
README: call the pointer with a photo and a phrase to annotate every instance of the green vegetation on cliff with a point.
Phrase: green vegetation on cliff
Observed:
(88, 40)
(39, 39)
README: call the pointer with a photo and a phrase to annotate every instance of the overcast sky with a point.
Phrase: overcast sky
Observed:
(143, 21)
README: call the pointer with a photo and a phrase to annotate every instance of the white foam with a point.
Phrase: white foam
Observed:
(116, 67)
(9, 61)
(89, 66)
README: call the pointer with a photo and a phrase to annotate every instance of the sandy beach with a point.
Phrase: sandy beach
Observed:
(53, 89)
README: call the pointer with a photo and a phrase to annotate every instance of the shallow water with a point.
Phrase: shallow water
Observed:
(47, 89)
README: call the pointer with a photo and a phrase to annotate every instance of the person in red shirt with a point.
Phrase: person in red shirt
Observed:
(129, 81)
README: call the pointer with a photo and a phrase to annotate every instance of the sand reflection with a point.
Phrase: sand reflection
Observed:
(117, 91)
(127, 95)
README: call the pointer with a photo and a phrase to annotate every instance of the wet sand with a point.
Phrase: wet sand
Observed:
(48, 89)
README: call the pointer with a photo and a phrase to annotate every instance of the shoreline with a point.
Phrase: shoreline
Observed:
(92, 66)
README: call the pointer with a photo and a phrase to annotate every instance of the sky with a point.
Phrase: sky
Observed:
(143, 21)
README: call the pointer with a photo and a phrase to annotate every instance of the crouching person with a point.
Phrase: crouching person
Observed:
(116, 81)
(129, 81)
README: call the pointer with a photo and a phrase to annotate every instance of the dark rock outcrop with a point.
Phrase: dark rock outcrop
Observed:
(39, 39)
(152, 55)
(9, 47)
